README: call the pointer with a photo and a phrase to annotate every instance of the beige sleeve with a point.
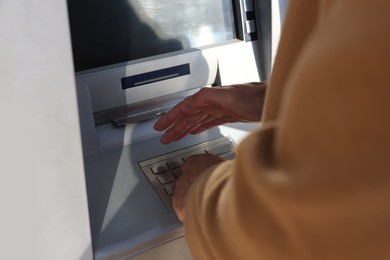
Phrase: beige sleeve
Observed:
(315, 183)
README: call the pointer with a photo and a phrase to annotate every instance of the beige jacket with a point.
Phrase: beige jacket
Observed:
(314, 181)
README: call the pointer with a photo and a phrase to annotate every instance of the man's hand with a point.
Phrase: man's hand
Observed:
(193, 166)
(210, 107)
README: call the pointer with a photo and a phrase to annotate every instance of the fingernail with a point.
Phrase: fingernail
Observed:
(165, 140)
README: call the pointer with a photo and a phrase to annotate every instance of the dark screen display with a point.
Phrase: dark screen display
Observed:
(106, 32)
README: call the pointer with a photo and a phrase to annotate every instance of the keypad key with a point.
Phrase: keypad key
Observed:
(158, 168)
(174, 163)
(165, 178)
(169, 189)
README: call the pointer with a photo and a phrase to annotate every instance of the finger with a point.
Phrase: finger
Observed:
(178, 208)
(181, 128)
(203, 125)
(208, 100)
(179, 111)
(178, 199)
(212, 123)
(204, 121)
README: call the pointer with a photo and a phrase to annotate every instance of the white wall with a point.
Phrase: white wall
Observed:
(42, 190)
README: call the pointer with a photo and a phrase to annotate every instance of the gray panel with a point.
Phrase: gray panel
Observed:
(126, 214)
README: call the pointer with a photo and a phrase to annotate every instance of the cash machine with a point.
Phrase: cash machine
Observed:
(133, 60)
